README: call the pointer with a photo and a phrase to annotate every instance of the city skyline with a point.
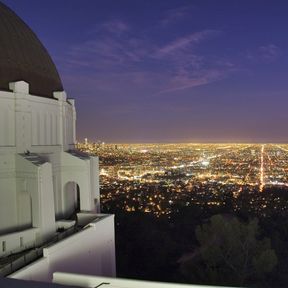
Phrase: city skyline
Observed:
(153, 178)
(170, 71)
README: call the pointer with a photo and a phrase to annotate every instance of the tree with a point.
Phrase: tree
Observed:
(230, 253)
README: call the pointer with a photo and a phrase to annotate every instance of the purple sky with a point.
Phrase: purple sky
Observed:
(150, 71)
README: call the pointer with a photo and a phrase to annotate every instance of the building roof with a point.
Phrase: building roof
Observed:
(23, 57)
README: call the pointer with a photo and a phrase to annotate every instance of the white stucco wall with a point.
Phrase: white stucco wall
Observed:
(27, 120)
(17, 241)
(35, 205)
(47, 223)
(8, 198)
(90, 251)
(33, 193)
(7, 119)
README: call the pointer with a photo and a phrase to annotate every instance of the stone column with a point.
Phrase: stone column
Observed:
(23, 136)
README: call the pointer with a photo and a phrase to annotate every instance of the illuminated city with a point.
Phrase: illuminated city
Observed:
(157, 178)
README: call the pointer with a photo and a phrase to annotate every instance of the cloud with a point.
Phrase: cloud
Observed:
(188, 80)
(121, 60)
(106, 53)
(172, 15)
(115, 26)
(265, 53)
(189, 68)
(187, 41)
(269, 52)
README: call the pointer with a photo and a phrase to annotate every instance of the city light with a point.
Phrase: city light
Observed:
(153, 178)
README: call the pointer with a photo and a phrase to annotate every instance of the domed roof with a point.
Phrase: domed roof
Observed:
(23, 57)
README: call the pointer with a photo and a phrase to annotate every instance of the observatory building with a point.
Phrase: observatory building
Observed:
(49, 192)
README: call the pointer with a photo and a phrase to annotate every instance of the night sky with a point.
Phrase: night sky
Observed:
(169, 71)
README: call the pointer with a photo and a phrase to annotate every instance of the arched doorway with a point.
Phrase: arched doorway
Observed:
(71, 199)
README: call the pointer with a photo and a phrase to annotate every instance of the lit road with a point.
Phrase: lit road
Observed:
(262, 183)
